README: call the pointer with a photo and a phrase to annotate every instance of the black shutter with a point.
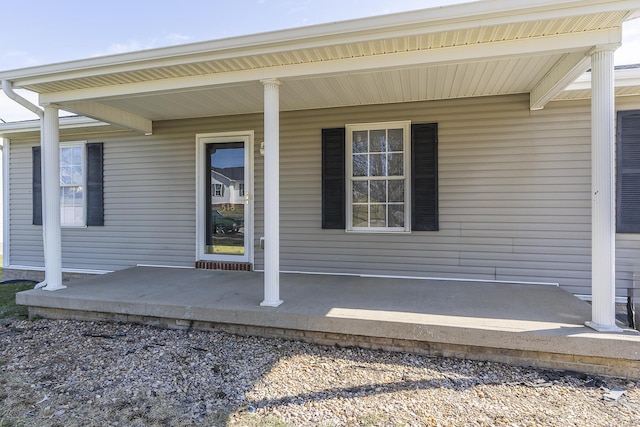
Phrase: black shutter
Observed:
(628, 162)
(36, 186)
(95, 195)
(424, 177)
(333, 178)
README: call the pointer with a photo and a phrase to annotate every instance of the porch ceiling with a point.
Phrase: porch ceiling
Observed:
(498, 77)
(468, 50)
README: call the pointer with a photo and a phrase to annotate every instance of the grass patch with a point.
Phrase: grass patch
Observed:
(8, 306)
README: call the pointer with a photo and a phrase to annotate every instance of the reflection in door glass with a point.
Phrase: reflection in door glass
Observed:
(225, 199)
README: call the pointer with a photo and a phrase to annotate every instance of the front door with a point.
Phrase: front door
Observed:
(225, 211)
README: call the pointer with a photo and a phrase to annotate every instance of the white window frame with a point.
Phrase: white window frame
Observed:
(350, 129)
(83, 145)
(217, 190)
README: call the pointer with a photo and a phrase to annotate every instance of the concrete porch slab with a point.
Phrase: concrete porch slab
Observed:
(521, 324)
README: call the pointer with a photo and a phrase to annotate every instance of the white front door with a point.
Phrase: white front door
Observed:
(224, 218)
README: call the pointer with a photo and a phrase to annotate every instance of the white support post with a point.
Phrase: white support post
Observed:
(271, 193)
(603, 233)
(51, 200)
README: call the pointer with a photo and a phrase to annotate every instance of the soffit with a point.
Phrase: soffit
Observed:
(499, 77)
(214, 63)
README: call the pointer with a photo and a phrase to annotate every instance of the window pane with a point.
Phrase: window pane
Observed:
(76, 155)
(378, 191)
(396, 215)
(71, 205)
(71, 166)
(66, 175)
(377, 165)
(396, 190)
(360, 215)
(395, 140)
(378, 143)
(360, 141)
(77, 178)
(378, 216)
(360, 191)
(360, 164)
(395, 164)
(66, 157)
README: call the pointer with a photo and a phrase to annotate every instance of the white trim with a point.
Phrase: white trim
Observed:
(6, 144)
(71, 122)
(166, 266)
(389, 276)
(405, 125)
(247, 137)
(589, 298)
(64, 270)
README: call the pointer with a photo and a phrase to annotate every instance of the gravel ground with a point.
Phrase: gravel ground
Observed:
(65, 373)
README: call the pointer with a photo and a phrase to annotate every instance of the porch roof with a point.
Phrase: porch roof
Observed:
(483, 48)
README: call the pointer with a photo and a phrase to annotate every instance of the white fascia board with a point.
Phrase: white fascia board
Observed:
(580, 42)
(563, 73)
(111, 115)
(8, 130)
(448, 18)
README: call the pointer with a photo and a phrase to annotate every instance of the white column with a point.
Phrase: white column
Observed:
(271, 193)
(51, 200)
(603, 233)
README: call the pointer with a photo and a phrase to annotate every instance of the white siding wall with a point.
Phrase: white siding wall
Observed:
(514, 197)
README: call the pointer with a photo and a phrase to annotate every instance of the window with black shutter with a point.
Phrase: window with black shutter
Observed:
(628, 172)
(366, 187)
(81, 185)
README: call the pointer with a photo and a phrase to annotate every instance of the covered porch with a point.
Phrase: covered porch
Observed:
(537, 325)
(438, 54)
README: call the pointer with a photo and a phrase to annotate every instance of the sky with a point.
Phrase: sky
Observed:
(40, 32)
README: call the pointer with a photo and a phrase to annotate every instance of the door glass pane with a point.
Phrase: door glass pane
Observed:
(225, 199)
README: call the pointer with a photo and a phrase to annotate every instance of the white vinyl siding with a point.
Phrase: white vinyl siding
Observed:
(514, 197)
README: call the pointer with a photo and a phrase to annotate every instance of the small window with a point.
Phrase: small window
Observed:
(217, 192)
(81, 184)
(241, 190)
(378, 189)
(72, 185)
